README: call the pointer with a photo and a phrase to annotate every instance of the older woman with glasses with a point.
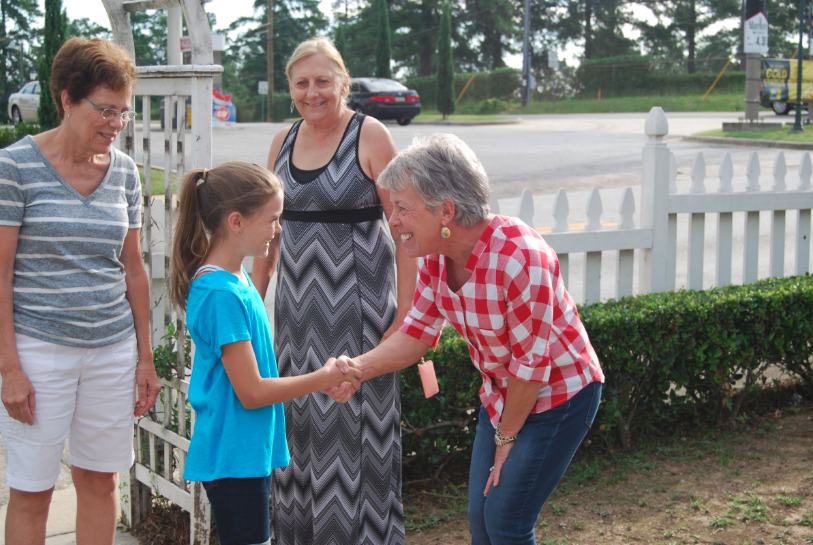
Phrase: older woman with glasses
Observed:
(498, 284)
(74, 299)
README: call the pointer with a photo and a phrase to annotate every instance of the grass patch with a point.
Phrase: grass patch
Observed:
(434, 115)
(713, 103)
(157, 180)
(783, 134)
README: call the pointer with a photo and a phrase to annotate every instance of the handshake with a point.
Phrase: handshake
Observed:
(344, 376)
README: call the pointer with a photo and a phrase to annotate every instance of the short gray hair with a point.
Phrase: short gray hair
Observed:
(442, 167)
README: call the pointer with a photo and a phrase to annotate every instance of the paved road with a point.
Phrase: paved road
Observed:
(541, 152)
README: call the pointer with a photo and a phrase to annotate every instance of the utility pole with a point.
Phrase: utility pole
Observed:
(526, 58)
(270, 45)
(797, 125)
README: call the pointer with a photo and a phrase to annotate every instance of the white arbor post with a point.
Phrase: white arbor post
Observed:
(654, 261)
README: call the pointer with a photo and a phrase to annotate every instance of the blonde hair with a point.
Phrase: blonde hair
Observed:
(208, 196)
(326, 47)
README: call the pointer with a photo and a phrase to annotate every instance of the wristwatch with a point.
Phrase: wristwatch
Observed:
(500, 440)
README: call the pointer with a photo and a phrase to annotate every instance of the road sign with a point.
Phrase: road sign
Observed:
(553, 60)
(262, 88)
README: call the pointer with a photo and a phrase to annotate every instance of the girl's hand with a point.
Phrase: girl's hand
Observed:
(342, 371)
(500, 458)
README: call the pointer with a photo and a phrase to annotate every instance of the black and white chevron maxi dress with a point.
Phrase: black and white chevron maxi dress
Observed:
(336, 295)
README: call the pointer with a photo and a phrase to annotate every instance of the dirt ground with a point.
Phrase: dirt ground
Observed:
(751, 486)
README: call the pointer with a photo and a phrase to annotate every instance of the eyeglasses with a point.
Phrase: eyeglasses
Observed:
(129, 115)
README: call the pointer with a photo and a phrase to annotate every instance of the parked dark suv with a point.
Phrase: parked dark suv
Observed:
(384, 99)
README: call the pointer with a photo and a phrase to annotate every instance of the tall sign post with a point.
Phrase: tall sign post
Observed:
(526, 58)
(553, 64)
(797, 123)
(755, 34)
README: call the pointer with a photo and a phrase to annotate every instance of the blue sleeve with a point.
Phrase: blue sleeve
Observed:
(222, 320)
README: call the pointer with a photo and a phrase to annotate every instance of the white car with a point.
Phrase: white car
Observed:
(22, 105)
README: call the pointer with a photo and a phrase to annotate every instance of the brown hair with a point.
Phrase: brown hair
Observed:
(208, 196)
(82, 65)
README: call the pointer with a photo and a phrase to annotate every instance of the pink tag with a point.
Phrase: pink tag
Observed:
(428, 378)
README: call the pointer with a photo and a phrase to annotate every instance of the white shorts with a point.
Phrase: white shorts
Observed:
(88, 393)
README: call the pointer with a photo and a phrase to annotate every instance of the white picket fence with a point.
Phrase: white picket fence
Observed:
(672, 241)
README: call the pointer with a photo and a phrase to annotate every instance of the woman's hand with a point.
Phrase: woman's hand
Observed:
(148, 385)
(18, 396)
(349, 382)
(343, 391)
(500, 457)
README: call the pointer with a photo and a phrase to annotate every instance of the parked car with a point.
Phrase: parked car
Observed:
(22, 105)
(384, 99)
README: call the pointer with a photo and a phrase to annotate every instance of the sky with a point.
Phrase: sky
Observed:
(226, 11)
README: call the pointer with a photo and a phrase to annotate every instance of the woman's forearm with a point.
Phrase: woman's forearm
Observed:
(138, 295)
(398, 352)
(520, 400)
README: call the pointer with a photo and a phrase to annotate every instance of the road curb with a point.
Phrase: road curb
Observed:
(469, 123)
(749, 142)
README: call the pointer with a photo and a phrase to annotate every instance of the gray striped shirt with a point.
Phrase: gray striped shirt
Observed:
(68, 280)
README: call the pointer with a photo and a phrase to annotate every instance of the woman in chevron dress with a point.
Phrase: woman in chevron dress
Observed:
(336, 294)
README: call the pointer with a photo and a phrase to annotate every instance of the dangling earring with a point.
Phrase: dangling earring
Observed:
(445, 232)
(292, 105)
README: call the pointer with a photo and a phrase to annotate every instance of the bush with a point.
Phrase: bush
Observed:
(488, 106)
(666, 356)
(641, 75)
(502, 83)
(9, 135)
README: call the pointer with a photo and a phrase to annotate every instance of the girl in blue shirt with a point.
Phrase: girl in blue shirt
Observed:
(227, 213)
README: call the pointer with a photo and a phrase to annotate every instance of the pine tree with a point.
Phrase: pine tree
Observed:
(54, 37)
(445, 64)
(383, 47)
(340, 40)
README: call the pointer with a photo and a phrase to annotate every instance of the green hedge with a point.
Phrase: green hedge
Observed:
(641, 75)
(666, 356)
(250, 110)
(503, 84)
(9, 134)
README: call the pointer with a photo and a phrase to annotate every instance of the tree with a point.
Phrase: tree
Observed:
(339, 39)
(85, 28)
(13, 73)
(496, 25)
(445, 64)
(383, 46)
(56, 28)
(245, 63)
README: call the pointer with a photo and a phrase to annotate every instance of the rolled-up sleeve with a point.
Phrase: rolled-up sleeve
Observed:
(424, 321)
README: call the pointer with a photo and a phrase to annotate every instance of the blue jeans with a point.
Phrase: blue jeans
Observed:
(541, 454)
(240, 508)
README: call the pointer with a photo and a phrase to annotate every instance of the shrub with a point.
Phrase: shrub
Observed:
(488, 106)
(9, 135)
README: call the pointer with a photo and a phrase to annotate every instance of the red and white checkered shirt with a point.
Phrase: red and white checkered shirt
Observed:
(515, 314)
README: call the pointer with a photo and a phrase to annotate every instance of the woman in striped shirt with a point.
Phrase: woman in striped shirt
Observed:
(74, 298)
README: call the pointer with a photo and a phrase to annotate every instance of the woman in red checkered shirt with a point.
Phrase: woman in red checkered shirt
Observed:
(498, 284)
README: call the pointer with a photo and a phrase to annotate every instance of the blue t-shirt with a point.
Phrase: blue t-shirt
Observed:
(229, 440)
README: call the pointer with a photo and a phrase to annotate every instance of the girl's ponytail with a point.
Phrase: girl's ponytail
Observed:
(190, 243)
(207, 197)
